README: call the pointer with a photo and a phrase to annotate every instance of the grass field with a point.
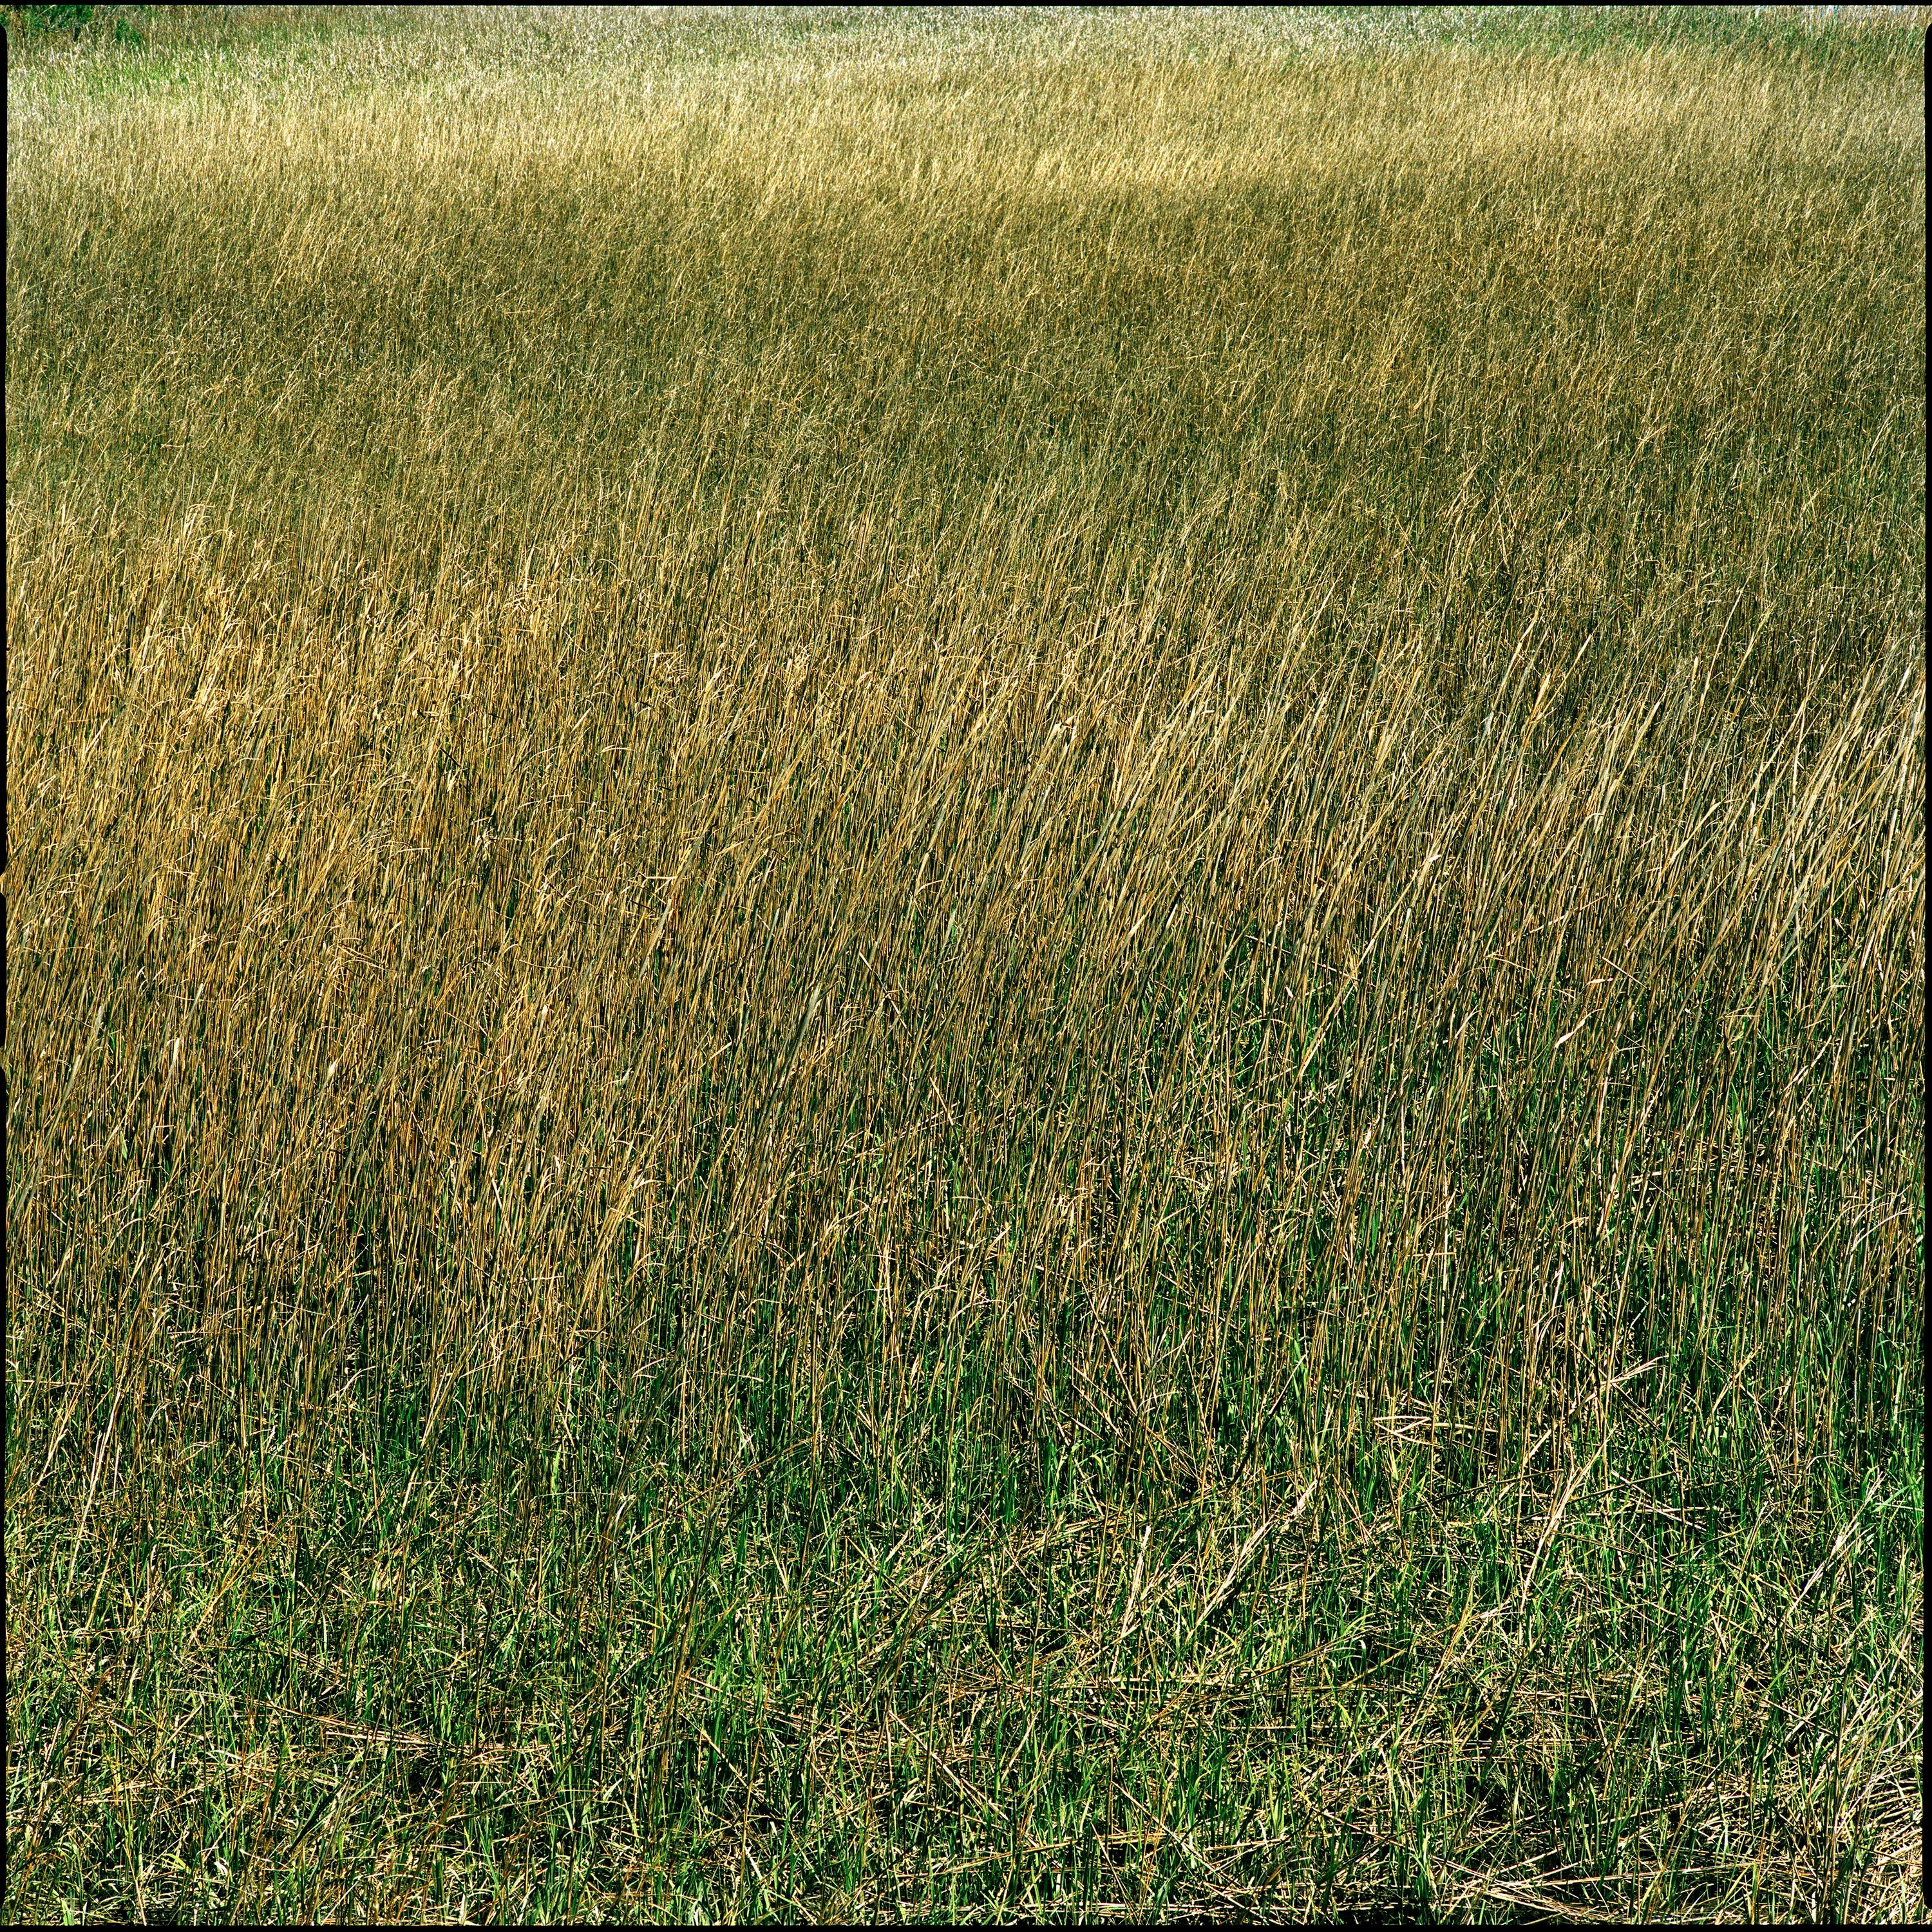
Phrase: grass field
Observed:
(964, 967)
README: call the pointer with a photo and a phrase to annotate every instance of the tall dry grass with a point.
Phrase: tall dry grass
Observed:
(1016, 774)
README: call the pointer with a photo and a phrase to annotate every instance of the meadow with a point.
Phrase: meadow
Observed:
(965, 966)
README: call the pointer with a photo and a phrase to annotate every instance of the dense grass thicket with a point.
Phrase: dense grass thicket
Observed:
(961, 966)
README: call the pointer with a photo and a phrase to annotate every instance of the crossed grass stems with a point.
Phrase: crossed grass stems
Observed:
(964, 982)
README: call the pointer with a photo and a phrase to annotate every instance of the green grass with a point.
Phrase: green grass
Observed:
(965, 968)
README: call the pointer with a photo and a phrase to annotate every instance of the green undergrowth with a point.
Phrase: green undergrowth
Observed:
(395, 1659)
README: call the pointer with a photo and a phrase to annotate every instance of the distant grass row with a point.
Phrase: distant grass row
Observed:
(959, 970)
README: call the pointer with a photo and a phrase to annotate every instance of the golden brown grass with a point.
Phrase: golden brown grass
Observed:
(963, 970)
